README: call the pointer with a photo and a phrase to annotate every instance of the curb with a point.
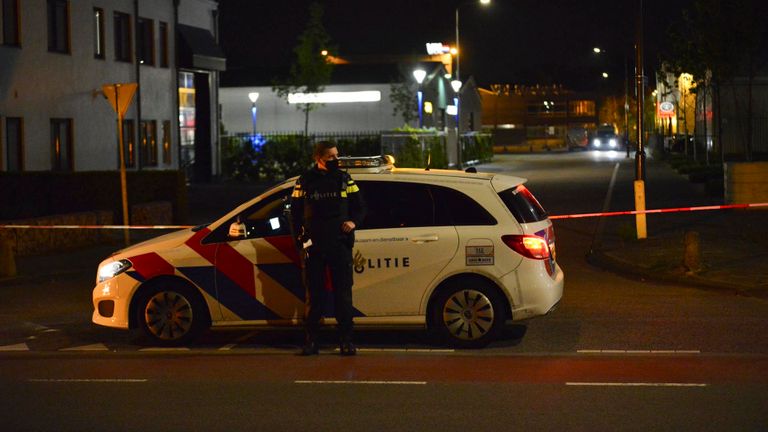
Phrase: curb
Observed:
(617, 265)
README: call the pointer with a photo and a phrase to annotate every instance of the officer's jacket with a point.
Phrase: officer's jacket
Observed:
(321, 201)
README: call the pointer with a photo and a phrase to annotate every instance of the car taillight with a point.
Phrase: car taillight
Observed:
(529, 246)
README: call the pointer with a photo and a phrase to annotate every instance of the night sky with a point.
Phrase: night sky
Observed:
(511, 41)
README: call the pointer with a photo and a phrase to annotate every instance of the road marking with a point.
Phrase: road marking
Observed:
(416, 350)
(161, 349)
(362, 382)
(587, 351)
(17, 347)
(228, 347)
(88, 380)
(634, 384)
(92, 347)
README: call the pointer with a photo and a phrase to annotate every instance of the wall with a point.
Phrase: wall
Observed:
(38, 85)
(274, 114)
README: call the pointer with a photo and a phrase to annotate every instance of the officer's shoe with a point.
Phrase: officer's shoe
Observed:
(310, 348)
(347, 348)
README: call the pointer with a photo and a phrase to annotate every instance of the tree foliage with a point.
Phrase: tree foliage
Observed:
(310, 71)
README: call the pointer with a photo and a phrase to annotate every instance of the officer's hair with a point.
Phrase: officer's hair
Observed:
(321, 147)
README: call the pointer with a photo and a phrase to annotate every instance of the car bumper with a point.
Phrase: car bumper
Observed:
(111, 301)
(537, 292)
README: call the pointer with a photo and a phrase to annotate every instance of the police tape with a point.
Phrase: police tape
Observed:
(115, 227)
(664, 210)
(569, 216)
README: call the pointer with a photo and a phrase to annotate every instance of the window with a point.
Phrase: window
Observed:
(397, 205)
(129, 145)
(145, 48)
(456, 208)
(10, 13)
(163, 44)
(149, 142)
(582, 108)
(123, 45)
(523, 205)
(61, 145)
(98, 33)
(266, 218)
(167, 142)
(14, 154)
(58, 26)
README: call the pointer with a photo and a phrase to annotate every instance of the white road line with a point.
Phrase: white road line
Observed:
(228, 347)
(634, 384)
(406, 350)
(585, 351)
(89, 380)
(161, 349)
(362, 382)
(92, 347)
(17, 347)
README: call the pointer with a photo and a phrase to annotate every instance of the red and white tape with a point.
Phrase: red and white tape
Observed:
(664, 210)
(116, 227)
(569, 216)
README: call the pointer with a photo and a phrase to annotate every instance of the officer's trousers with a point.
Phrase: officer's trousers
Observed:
(338, 259)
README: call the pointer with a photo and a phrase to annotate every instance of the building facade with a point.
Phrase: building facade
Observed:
(55, 56)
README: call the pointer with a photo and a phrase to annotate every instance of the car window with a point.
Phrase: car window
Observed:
(523, 205)
(397, 204)
(456, 208)
(265, 218)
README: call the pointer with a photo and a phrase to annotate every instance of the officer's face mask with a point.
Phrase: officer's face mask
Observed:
(332, 164)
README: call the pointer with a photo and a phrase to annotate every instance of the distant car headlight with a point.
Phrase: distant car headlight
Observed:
(612, 142)
(596, 142)
(110, 270)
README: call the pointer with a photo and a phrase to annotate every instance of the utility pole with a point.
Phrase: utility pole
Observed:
(640, 153)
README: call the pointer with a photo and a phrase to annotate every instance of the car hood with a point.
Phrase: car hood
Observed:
(167, 241)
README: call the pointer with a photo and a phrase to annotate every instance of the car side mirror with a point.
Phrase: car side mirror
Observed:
(237, 230)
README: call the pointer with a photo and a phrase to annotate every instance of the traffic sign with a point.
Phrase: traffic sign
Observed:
(119, 96)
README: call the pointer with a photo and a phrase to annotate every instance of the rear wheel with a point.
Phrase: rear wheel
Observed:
(171, 314)
(468, 313)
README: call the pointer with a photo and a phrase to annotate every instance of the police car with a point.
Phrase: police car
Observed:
(460, 253)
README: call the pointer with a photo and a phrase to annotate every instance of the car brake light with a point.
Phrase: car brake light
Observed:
(529, 246)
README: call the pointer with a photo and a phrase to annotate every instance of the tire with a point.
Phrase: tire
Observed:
(170, 313)
(468, 313)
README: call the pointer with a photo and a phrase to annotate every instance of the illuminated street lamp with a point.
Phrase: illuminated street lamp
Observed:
(419, 75)
(597, 50)
(458, 49)
(253, 96)
(456, 85)
(605, 74)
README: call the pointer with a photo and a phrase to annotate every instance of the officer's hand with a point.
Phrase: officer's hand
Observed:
(347, 227)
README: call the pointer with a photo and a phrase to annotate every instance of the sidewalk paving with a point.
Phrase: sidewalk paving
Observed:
(733, 243)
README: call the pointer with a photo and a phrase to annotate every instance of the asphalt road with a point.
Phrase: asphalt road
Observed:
(618, 354)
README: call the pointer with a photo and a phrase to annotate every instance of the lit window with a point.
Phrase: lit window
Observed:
(98, 33)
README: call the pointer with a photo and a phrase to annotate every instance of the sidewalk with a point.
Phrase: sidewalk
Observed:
(733, 243)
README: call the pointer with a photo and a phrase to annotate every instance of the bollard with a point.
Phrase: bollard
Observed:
(692, 252)
(7, 259)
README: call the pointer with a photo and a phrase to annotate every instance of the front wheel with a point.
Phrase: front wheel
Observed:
(171, 314)
(468, 314)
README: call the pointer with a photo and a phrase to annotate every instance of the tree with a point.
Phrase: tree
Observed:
(404, 101)
(311, 71)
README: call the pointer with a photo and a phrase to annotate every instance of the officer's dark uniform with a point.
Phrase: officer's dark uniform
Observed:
(320, 203)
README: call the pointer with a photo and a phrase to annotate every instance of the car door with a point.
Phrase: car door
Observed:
(399, 249)
(258, 277)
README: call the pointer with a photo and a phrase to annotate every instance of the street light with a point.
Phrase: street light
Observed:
(419, 75)
(458, 49)
(253, 96)
(456, 85)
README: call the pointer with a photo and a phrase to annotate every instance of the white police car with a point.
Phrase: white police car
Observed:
(461, 253)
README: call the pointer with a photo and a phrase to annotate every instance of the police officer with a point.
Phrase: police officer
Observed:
(326, 207)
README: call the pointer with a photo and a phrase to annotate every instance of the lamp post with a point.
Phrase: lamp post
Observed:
(253, 97)
(458, 50)
(419, 75)
(456, 85)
